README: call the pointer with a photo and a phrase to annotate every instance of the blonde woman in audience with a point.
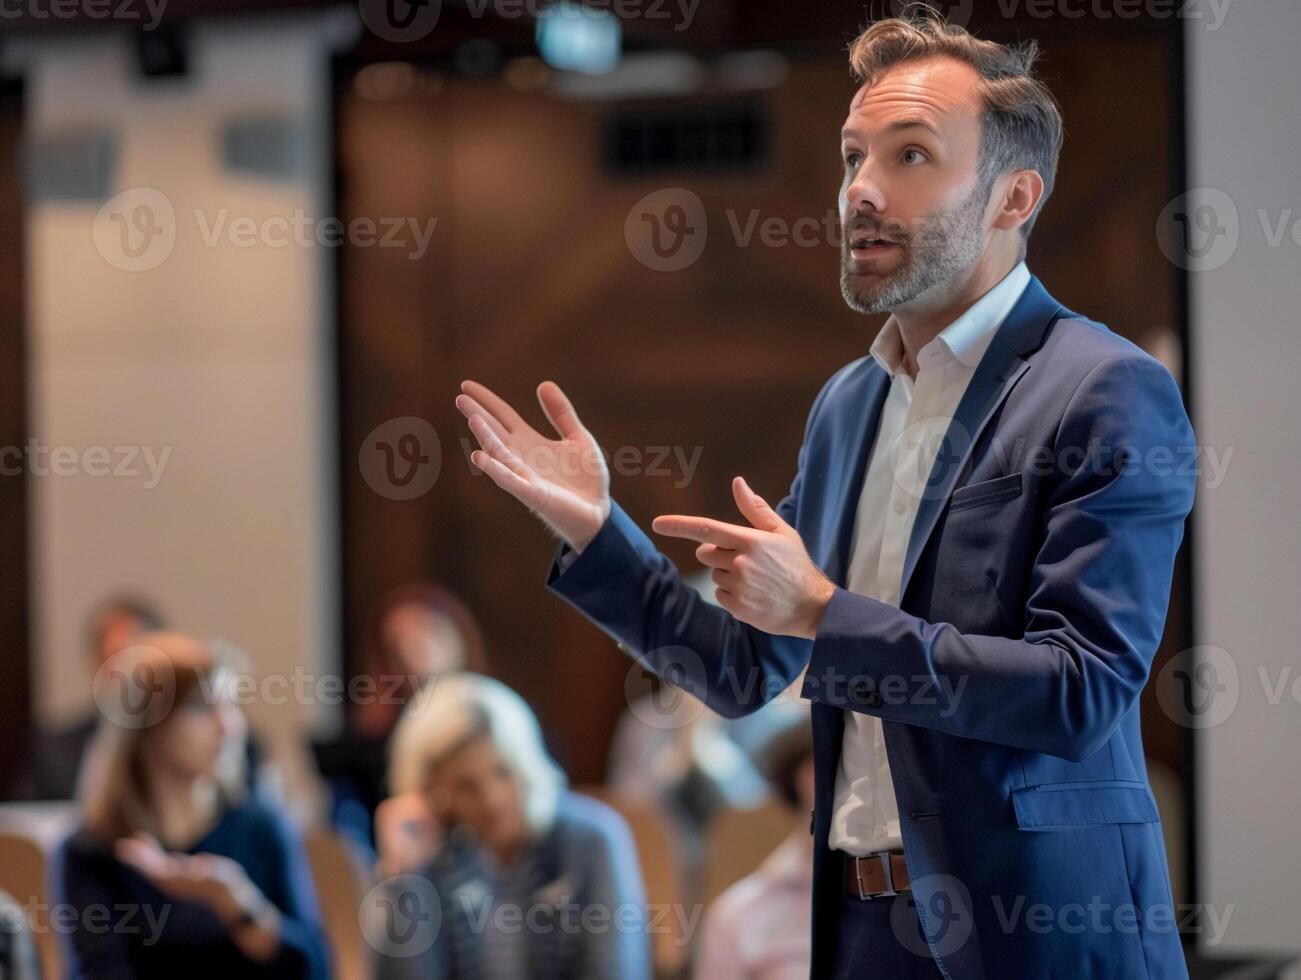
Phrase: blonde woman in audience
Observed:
(218, 887)
(495, 869)
(758, 929)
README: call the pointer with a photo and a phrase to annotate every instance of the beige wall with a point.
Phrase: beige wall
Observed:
(218, 357)
(1246, 144)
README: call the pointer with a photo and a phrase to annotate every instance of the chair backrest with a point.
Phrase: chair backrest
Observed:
(341, 882)
(737, 843)
(22, 875)
(661, 867)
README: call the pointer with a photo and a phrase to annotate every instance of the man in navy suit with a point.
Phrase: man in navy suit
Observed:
(972, 566)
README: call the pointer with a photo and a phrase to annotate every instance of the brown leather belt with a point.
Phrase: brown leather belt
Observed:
(879, 875)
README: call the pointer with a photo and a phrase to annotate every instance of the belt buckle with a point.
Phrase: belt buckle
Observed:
(883, 857)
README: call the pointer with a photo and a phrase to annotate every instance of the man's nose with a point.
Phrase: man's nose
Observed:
(864, 193)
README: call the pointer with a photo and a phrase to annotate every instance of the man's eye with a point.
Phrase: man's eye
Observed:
(913, 155)
(852, 160)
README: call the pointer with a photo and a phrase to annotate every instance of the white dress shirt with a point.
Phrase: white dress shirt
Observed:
(914, 419)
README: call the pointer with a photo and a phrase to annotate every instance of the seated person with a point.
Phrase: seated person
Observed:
(219, 887)
(58, 751)
(530, 879)
(670, 749)
(758, 929)
(417, 632)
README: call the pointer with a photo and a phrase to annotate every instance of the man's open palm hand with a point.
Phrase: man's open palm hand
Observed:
(564, 481)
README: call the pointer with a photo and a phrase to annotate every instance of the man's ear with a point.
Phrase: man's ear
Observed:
(1015, 197)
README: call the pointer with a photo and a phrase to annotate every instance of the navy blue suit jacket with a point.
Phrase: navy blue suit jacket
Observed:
(1034, 597)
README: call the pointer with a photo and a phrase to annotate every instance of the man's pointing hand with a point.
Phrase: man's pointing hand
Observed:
(764, 575)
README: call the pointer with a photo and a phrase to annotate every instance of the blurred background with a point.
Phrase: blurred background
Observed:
(248, 251)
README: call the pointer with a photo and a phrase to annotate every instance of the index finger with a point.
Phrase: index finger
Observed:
(703, 529)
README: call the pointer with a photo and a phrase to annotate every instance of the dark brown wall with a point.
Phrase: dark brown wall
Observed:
(530, 278)
(15, 692)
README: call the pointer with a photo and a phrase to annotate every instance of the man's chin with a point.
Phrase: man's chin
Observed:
(865, 294)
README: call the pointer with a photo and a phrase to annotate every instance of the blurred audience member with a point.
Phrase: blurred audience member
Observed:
(219, 886)
(758, 929)
(416, 632)
(533, 880)
(671, 749)
(57, 752)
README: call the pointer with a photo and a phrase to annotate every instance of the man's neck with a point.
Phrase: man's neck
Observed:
(922, 320)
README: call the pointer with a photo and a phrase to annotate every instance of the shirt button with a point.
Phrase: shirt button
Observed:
(898, 506)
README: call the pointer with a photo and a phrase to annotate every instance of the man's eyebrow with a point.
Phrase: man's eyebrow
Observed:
(850, 133)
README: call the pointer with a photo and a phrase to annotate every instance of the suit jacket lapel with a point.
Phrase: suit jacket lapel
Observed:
(998, 372)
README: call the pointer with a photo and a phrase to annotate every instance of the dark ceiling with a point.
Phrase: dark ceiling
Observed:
(714, 24)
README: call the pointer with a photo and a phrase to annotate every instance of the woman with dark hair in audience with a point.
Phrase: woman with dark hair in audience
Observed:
(496, 870)
(218, 887)
(416, 632)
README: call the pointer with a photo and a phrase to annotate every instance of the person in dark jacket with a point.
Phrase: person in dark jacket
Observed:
(171, 872)
(59, 749)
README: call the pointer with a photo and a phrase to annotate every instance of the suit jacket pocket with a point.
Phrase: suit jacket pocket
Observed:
(986, 492)
(1070, 806)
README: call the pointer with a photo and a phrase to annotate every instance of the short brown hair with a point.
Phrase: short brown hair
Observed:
(437, 600)
(1021, 127)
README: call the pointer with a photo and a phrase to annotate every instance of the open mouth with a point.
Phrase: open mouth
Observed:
(868, 245)
(864, 247)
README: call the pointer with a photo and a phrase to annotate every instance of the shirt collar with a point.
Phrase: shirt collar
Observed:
(967, 337)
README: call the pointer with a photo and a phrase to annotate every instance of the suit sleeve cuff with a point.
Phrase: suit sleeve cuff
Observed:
(849, 653)
(619, 545)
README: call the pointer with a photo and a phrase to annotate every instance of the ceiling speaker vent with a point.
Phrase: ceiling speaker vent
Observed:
(715, 137)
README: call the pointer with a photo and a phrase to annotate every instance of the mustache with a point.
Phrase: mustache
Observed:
(890, 230)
